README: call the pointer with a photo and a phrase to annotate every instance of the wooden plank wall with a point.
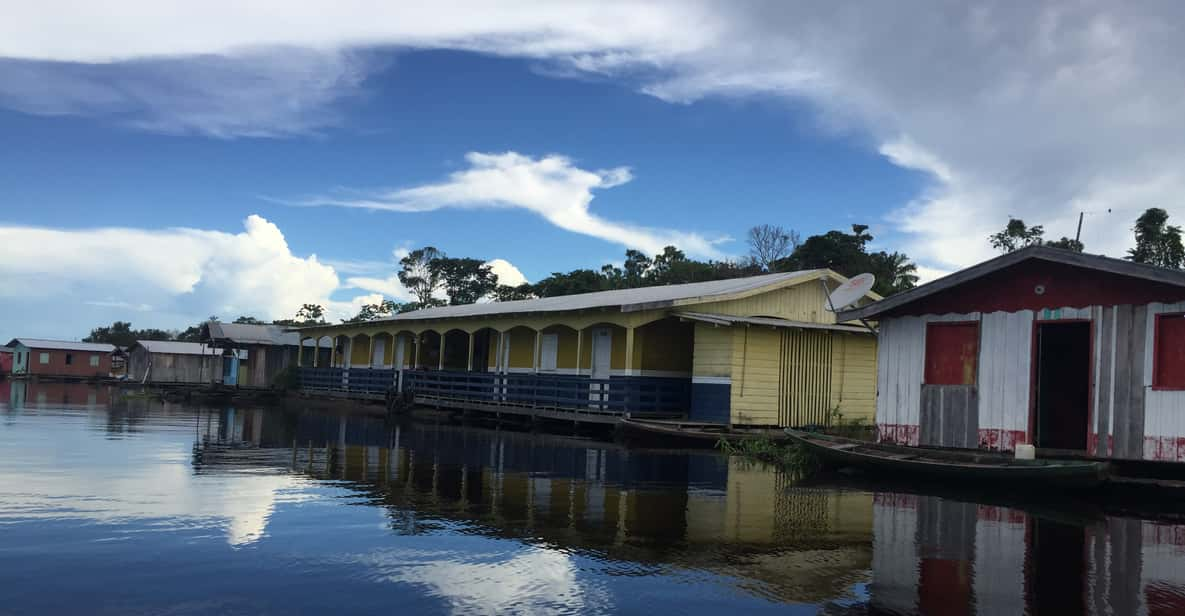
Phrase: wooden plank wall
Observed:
(949, 416)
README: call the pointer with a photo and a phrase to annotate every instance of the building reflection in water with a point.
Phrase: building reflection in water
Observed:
(653, 508)
(19, 394)
(850, 551)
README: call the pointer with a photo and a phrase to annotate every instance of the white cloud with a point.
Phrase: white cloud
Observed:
(1032, 109)
(550, 186)
(507, 273)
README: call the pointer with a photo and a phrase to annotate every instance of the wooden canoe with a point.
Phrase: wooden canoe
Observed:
(705, 434)
(950, 464)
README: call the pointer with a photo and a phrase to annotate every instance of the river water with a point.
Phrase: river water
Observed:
(117, 505)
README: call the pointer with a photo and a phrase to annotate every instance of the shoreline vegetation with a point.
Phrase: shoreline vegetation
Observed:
(793, 457)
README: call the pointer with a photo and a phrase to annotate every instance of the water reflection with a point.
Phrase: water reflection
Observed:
(131, 504)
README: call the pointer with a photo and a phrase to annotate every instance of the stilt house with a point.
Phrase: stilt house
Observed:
(1056, 348)
(762, 350)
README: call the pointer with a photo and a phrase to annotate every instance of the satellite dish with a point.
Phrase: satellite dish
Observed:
(850, 292)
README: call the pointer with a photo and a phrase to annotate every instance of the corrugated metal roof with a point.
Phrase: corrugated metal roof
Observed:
(5, 349)
(625, 299)
(1099, 263)
(728, 320)
(62, 345)
(246, 333)
(174, 347)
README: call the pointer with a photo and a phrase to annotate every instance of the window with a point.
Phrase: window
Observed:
(951, 353)
(1168, 360)
(69, 359)
(94, 361)
(44, 358)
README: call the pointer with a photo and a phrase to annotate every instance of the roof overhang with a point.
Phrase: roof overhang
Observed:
(1098, 263)
(727, 320)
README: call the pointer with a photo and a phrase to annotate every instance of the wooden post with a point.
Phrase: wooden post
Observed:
(370, 353)
(415, 361)
(579, 348)
(443, 336)
(299, 355)
(629, 351)
(535, 353)
(469, 366)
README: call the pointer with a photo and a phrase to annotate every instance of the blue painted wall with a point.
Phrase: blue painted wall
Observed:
(710, 402)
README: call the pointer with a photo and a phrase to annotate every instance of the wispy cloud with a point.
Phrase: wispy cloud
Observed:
(550, 186)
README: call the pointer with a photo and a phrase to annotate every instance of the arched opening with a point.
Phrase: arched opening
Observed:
(456, 350)
(381, 350)
(558, 349)
(403, 350)
(602, 350)
(341, 349)
(427, 351)
(485, 350)
(359, 351)
(518, 349)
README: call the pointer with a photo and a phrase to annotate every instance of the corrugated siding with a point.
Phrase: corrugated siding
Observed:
(803, 302)
(804, 379)
(901, 356)
(755, 375)
(1006, 343)
(1164, 411)
(713, 351)
(854, 376)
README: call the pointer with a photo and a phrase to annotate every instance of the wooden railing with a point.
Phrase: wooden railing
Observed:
(618, 395)
(321, 379)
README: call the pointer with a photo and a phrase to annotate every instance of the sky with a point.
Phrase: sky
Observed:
(167, 161)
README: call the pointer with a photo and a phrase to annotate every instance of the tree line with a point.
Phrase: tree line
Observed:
(1157, 242)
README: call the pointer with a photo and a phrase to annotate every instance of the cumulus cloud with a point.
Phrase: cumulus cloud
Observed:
(1033, 109)
(507, 273)
(550, 186)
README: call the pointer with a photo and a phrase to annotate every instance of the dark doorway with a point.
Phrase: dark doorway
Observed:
(481, 351)
(1063, 384)
(1056, 568)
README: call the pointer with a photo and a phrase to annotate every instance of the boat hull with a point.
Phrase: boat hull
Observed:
(951, 465)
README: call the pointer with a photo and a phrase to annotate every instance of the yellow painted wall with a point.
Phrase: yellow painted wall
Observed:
(755, 373)
(665, 345)
(802, 302)
(359, 351)
(853, 375)
(617, 353)
(566, 352)
(713, 351)
(522, 347)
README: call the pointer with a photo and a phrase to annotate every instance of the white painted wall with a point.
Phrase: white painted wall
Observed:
(1164, 411)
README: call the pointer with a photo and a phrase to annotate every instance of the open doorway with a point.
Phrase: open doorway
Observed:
(1062, 394)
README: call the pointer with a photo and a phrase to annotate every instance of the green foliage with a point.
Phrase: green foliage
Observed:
(507, 293)
(371, 312)
(120, 333)
(856, 427)
(420, 277)
(465, 281)
(847, 254)
(246, 320)
(1067, 244)
(1016, 235)
(788, 456)
(1157, 242)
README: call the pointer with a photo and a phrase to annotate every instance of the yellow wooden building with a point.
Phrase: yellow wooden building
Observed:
(762, 350)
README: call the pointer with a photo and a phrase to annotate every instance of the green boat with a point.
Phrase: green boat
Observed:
(950, 464)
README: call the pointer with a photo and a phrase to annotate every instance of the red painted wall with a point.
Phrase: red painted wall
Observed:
(1014, 288)
(5, 363)
(80, 366)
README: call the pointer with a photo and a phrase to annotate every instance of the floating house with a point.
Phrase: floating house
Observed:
(169, 361)
(61, 358)
(265, 350)
(762, 350)
(1064, 350)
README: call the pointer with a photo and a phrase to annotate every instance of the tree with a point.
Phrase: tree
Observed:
(243, 320)
(1157, 242)
(310, 314)
(465, 281)
(847, 254)
(120, 333)
(634, 269)
(575, 281)
(1016, 235)
(371, 312)
(420, 276)
(769, 243)
(1067, 244)
(507, 293)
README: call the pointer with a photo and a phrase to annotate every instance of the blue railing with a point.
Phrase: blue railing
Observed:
(370, 380)
(321, 378)
(617, 395)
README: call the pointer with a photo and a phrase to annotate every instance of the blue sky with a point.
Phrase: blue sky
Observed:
(487, 135)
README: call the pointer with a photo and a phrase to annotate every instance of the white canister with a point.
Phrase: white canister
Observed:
(1025, 451)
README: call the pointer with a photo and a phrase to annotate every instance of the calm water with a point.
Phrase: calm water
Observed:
(110, 505)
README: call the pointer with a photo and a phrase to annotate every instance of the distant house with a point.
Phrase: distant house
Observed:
(1044, 346)
(168, 361)
(266, 350)
(5, 361)
(35, 357)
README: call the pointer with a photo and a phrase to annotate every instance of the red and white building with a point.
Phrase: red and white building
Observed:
(61, 358)
(1045, 346)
